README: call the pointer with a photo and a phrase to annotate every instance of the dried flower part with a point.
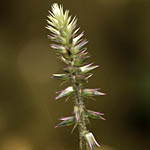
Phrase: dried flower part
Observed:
(80, 58)
(60, 76)
(77, 38)
(91, 141)
(66, 121)
(66, 92)
(83, 78)
(77, 112)
(69, 69)
(95, 115)
(76, 49)
(59, 48)
(87, 68)
(91, 92)
(63, 59)
(88, 76)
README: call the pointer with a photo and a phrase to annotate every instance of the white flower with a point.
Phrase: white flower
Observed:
(66, 92)
(91, 141)
(87, 68)
(57, 11)
(92, 92)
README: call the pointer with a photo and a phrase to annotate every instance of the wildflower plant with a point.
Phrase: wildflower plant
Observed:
(69, 47)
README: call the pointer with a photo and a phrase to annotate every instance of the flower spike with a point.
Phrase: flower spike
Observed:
(69, 46)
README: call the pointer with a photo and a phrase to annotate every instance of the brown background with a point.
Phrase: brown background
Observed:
(118, 34)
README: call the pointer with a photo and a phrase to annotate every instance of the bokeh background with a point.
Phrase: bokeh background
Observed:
(118, 34)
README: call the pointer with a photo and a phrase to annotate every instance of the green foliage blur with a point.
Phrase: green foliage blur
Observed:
(118, 34)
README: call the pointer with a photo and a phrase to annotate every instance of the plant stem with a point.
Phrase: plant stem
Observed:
(79, 101)
(82, 129)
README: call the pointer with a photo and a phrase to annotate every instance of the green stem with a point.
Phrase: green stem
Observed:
(82, 122)
(79, 102)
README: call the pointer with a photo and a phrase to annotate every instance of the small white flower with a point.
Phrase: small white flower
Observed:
(57, 11)
(77, 112)
(87, 68)
(66, 92)
(91, 141)
(92, 92)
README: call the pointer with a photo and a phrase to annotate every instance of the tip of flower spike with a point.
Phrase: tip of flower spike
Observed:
(57, 9)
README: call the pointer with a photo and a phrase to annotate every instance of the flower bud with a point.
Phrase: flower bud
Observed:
(91, 141)
(64, 60)
(66, 92)
(87, 68)
(66, 121)
(91, 92)
(59, 49)
(77, 113)
(95, 115)
(60, 76)
(77, 38)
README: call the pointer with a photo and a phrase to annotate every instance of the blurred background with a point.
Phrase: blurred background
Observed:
(118, 34)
